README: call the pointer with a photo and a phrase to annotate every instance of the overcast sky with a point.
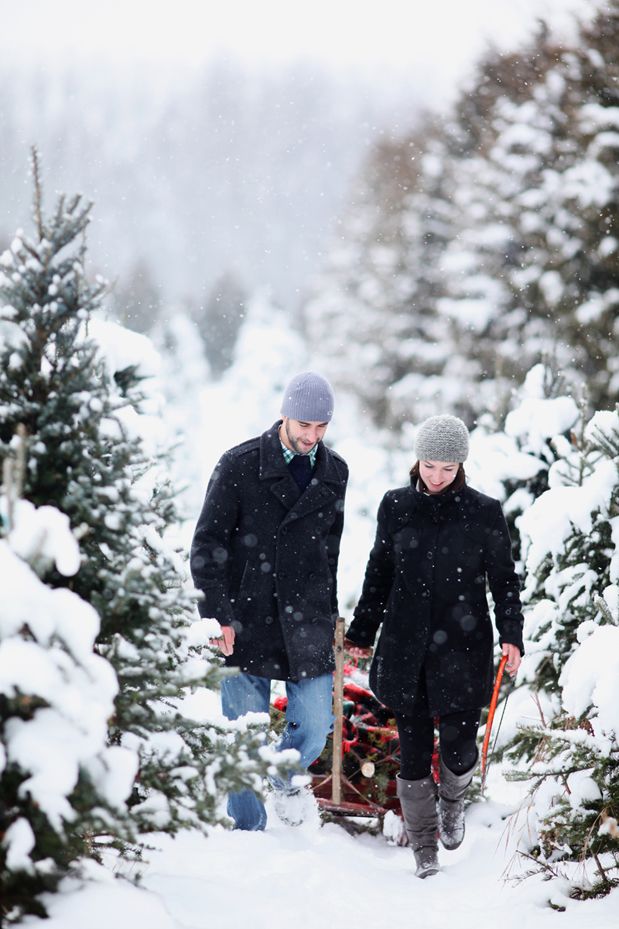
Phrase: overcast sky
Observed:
(437, 37)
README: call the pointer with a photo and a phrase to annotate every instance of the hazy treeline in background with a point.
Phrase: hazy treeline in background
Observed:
(225, 178)
(429, 259)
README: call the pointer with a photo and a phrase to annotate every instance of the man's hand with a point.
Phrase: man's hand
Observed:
(513, 658)
(357, 651)
(225, 642)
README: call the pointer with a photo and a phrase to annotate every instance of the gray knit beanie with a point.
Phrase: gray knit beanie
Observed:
(308, 398)
(442, 438)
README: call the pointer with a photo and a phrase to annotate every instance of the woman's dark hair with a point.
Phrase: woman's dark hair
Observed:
(457, 483)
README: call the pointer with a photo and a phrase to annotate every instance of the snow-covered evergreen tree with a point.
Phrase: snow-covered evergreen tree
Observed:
(586, 205)
(486, 242)
(86, 458)
(571, 754)
(535, 255)
(60, 782)
(220, 321)
(500, 146)
(511, 460)
(372, 316)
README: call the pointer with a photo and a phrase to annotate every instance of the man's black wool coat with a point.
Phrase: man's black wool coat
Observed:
(426, 583)
(265, 554)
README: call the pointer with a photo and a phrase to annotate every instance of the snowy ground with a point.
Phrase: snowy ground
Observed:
(313, 876)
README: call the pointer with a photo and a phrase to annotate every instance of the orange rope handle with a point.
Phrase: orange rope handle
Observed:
(490, 720)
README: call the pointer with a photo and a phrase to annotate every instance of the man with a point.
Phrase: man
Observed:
(265, 555)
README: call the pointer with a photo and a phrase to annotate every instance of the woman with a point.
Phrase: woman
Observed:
(437, 543)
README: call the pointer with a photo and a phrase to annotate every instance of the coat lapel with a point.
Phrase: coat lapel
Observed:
(321, 490)
(285, 490)
(313, 498)
(273, 468)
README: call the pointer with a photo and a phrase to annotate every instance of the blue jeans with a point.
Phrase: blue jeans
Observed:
(309, 718)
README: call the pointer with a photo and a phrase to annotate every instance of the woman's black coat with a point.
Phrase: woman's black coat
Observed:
(426, 583)
(265, 554)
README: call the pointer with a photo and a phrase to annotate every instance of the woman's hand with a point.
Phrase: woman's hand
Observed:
(357, 651)
(513, 658)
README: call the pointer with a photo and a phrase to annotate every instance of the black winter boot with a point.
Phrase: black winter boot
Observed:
(418, 802)
(451, 790)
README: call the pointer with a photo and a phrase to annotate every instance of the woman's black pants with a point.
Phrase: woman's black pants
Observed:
(457, 738)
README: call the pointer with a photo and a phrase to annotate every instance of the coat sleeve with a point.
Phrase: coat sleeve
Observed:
(377, 584)
(504, 583)
(333, 549)
(211, 549)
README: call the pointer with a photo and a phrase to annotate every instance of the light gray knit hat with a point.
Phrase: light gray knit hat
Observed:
(442, 438)
(309, 398)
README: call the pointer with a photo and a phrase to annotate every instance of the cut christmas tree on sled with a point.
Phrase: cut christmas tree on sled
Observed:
(362, 757)
(355, 774)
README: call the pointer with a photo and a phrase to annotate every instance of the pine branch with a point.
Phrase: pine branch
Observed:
(608, 444)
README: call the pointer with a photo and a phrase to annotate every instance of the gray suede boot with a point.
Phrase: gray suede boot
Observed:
(418, 802)
(451, 790)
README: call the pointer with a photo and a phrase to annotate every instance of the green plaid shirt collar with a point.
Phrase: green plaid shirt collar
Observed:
(289, 455)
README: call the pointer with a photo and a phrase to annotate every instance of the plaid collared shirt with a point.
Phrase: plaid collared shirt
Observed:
(289, 455)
